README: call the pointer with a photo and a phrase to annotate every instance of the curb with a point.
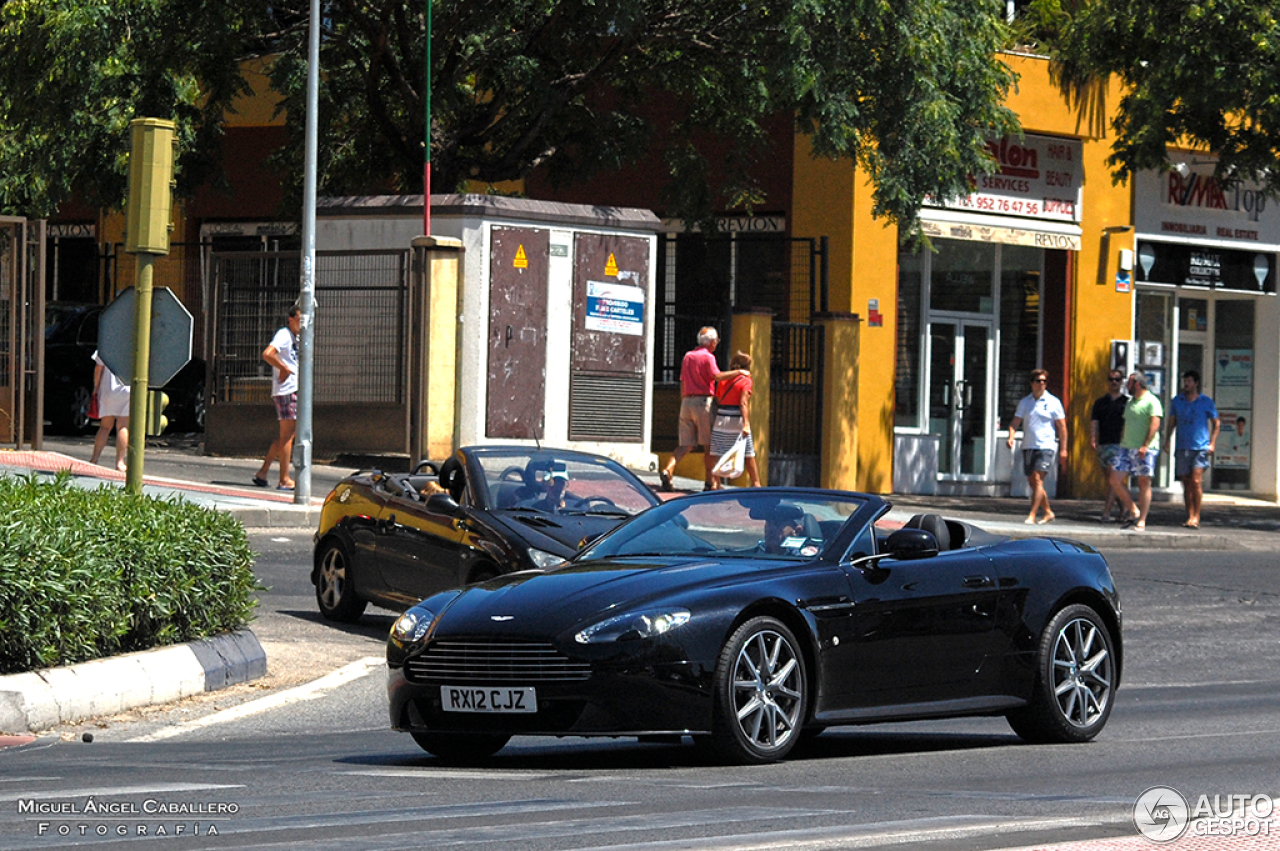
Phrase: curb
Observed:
(38, 700)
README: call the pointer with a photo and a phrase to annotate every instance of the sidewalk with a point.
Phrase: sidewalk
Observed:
(174, 466)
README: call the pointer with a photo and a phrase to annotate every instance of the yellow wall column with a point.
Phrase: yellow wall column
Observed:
(840, 390)
(753, 334)
(433, 351)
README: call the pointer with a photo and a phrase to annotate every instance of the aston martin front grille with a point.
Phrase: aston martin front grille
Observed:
(478, 661)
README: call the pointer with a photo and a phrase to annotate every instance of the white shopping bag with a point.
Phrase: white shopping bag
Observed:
(731, 463)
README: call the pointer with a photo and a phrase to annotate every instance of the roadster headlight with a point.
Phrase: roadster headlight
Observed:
(634, 625)
(412, 625)
(544, 559)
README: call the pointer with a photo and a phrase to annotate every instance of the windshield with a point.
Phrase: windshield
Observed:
(745, 522)
(559, 483)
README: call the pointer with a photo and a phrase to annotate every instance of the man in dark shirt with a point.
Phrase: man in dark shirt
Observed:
(1106, 424)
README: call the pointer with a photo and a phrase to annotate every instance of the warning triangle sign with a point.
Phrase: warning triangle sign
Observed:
(522, 260)
(611, 268)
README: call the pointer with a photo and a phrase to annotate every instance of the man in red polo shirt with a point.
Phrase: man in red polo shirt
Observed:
(698, 373)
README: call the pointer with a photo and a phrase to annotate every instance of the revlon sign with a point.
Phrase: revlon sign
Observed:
(1039, 178)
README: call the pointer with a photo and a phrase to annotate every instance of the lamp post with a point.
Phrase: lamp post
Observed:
(426, 168)
(306, 300)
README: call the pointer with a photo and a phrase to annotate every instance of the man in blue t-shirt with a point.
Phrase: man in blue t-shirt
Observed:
(1194, 418)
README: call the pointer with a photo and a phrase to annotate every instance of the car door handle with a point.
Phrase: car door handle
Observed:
(387, 523)
(978, 582)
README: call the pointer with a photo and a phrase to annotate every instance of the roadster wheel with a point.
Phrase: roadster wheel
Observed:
(456, 747)
(761, 693)
(1075, 680)
(335, 592)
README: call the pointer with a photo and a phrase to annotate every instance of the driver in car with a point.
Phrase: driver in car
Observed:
(785, 523)
(555, 482)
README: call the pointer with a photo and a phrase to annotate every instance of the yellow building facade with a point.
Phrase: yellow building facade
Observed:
(1023, 276)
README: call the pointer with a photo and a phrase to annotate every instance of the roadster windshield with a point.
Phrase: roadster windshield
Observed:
(745, 522)
(544, 480)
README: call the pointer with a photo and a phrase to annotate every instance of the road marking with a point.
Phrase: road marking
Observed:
(307, 691)
(102, 791)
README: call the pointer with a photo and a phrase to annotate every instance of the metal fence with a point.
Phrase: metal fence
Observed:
(360, 328)
(795, 405)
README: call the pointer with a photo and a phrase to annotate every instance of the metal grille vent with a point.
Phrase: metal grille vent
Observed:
(514, 662)
(606, 407)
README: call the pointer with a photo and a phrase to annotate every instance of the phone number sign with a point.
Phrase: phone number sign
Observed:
(1039, 178)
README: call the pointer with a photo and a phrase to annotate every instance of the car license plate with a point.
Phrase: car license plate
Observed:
(470, 699)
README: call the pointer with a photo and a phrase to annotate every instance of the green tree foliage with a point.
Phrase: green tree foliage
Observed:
(76, 72)
(911, 89)
(1198, 73)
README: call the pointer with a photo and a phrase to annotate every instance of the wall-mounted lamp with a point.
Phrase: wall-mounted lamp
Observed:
(1110, 229)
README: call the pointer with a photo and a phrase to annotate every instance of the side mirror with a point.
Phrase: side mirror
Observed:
(442, 503)
(908, 544)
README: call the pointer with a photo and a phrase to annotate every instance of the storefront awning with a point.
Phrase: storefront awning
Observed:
(976, 227)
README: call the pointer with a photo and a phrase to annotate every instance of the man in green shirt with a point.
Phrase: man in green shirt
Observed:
(1139, 451)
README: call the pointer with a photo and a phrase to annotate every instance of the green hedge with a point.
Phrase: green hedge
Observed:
(92, 573)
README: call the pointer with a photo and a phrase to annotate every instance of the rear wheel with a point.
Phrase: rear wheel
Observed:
(78, 415)
(335, 592)
(461, 747)
(1075, 680)
(761, 693)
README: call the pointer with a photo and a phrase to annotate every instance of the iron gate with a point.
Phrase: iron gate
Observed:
(360, 357)
(795, 405)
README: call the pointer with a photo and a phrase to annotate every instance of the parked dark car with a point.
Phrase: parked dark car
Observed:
(70, 339)
(387, 538)
(748, 618)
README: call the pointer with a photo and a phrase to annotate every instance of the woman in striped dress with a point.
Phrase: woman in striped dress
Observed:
(733, 417)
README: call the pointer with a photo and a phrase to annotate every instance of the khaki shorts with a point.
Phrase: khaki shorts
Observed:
(695, 421)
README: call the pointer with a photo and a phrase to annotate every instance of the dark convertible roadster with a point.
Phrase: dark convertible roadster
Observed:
(750, 617)
(394, 538)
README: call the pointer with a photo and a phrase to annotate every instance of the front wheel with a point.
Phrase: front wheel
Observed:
(335, 592)
(1075, 681)
(461, 747)
(761, 693)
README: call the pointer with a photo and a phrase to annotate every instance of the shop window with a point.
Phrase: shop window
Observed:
(1233, 353)
(1019, 323)
(962, 277)
(906, 411)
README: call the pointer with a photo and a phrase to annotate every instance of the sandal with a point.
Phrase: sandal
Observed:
(1139, 527)
(666, 481)
(259, 481)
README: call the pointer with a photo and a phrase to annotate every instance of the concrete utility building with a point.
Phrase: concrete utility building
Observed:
(920, 356)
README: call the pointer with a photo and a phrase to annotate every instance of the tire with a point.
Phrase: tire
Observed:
(461, 747)
(335, 591)
(1075, 680)
(761, 694)
(78, 410)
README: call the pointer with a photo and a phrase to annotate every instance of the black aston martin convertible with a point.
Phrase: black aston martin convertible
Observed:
(394, 538)
(749, 617)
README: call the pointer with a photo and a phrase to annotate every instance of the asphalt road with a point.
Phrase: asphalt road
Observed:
(305, 758)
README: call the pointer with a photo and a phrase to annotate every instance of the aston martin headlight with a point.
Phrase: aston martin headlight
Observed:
(544, 559)
(412, 625)
(634, 625)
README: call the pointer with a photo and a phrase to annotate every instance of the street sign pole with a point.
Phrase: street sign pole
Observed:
(141, 363)
(151, 156)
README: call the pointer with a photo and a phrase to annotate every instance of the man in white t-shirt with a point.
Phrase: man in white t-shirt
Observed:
(282, 354)
(1044, 436)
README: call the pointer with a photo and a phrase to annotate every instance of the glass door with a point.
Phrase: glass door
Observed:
(959, 390)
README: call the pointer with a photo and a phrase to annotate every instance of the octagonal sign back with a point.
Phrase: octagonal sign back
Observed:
(171, 326)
